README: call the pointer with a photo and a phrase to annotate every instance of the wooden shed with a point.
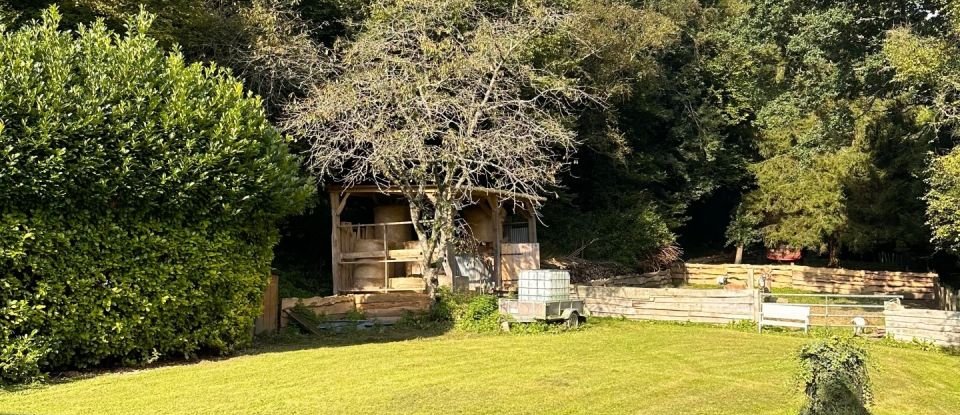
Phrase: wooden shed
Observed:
(380, 252)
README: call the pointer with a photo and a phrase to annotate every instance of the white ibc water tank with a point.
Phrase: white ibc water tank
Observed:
(544, 285)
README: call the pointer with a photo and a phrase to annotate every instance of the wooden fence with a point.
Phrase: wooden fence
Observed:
(675, 304)
(911, 285)
(948, 298)
(934, 326)
(270, 313)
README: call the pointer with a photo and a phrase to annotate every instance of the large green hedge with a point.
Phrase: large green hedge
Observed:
(139, 201)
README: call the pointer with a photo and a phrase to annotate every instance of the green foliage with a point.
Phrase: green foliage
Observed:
(928, 66)
(469, 312)
(833, 374)
(140, 202)
(841, 160)
(943, 200)
(743, 228)
(481, 314)
(660, 145)
(625, 235)
(20, 358)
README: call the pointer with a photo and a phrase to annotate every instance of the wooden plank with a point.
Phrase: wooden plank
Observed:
(497, 222)
(635, 292)
(893, 320)
(269, 319)
(362, 254)
(532, 223)
(925, 313)
(711, 308)
(288, 303)
(671, 313)
(710, 320)
(941, 339)
(930, 327)
(335, 243)
(302, 322)
(390, 297)
(414, 253)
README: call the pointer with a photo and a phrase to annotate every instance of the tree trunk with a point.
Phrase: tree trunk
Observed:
(833, 251)
(739, 257)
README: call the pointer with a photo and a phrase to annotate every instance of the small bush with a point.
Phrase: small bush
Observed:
(466, 311)
(20, 359)
(833, 374)
(480, 314)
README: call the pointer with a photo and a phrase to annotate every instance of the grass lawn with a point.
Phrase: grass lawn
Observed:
(611, 367)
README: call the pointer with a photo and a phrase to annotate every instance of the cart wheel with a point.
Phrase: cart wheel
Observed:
(573, 320)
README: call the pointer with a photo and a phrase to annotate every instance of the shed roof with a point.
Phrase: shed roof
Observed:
(482, 191)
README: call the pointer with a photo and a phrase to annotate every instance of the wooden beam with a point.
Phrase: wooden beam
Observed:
(532, 224)
(335, 242)
(343, 203)
(497, 237)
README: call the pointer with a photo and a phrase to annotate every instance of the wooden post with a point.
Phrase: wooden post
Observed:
(335, 241)
(269, 320)
(532, 223)
(386, 260)
(757, 303)
(497, 237)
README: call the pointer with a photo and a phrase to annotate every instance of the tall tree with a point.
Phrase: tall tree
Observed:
(660, 145)
(810, 78)
(927, 64)
(444, 95)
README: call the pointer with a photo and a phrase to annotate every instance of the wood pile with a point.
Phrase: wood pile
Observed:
(673, 304)
(934, 326)
(584, 271)
(657, 279)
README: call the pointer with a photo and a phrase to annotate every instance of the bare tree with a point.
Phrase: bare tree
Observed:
(439, 97)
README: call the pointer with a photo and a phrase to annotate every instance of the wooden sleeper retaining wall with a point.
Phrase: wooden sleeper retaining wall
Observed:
(671, 304)
(934, 326)
(911, 285)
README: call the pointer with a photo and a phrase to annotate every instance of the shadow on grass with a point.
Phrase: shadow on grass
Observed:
(286, 341)
(290, 340)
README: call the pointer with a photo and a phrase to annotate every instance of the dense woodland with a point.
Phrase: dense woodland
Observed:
(824, 125)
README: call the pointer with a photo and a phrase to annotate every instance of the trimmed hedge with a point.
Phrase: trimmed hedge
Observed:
(139, 205)
(833, 375)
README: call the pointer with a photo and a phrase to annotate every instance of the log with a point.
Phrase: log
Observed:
(288, 303)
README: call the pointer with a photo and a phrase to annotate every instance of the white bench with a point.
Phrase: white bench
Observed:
(772, 314)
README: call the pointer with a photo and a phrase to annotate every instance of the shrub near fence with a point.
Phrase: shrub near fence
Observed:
(911, 285)
(672, 304)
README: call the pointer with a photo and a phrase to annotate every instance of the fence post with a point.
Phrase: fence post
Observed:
(757, 301)
(826, 311)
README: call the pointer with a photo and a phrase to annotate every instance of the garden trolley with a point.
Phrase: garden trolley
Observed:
(543, 295)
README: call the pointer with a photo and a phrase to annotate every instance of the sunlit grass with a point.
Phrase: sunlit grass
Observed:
(612, 367)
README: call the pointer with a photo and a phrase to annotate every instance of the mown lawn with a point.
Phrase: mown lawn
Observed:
(612, 367)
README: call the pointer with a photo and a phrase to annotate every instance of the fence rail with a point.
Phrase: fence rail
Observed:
(911, 285)
(823, 314)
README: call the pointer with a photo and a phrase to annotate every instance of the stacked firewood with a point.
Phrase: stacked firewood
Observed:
(583, 271)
